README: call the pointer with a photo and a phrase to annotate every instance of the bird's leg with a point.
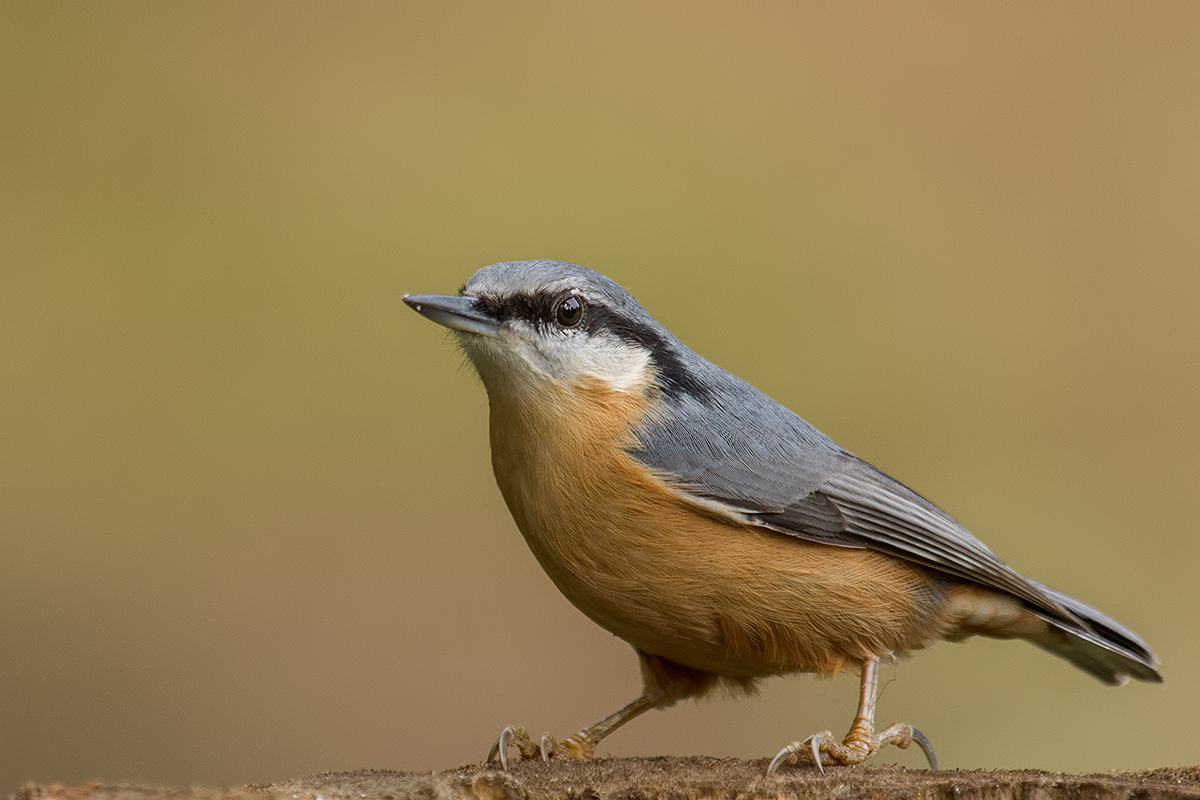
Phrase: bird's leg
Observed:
(862, 741)
(581, 746)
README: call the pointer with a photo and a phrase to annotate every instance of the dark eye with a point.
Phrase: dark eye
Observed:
(569, 311)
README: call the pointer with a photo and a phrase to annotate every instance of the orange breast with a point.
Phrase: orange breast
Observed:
(676, 581)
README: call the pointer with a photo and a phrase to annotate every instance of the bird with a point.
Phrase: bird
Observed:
(714, 530)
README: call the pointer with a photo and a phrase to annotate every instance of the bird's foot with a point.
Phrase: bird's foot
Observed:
(859, 745)
(579, 747)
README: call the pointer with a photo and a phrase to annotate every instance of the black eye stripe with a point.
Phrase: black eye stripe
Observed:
(536, 308)
(541, 309)
(530, 308)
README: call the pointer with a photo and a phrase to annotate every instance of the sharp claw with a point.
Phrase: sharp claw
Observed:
(814, 742)
(547, 746)
(926, 748)
(500, 749)
(506, 736)
(779, 758)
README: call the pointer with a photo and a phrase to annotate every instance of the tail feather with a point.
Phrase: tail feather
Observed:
(1106, 648)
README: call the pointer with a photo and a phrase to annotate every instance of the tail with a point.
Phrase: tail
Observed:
(1104, 647)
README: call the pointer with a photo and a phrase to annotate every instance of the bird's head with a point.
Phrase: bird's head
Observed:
(525, 324)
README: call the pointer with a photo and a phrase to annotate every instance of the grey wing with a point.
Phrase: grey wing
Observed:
(866, 507)
(743, 453)
(871, 509)
(747, 453)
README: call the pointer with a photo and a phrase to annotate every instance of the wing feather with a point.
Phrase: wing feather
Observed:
(876, 511)
(738, 452)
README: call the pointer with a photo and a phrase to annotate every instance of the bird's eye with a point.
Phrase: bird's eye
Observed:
(569, 311)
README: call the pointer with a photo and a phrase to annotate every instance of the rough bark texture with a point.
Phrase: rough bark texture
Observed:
(669, 779)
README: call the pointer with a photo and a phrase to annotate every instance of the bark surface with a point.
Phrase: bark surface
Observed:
(667, 778)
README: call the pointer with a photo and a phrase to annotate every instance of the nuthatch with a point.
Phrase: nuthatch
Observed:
(722, 536)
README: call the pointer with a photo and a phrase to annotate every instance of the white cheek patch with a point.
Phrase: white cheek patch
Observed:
(531, 355)
(621, 366)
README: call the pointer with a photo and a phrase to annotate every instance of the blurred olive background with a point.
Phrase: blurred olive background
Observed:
(248, 528)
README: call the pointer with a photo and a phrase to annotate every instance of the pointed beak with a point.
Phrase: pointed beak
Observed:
(456, 312)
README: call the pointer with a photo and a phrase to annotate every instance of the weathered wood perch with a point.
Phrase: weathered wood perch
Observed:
(668, 779)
